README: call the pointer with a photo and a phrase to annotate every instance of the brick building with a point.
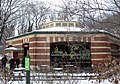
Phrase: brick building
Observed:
(67, 44)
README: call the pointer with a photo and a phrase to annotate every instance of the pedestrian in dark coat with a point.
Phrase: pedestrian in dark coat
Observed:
(17, 62)
(4, 61)
(11, 63)
(23, 62)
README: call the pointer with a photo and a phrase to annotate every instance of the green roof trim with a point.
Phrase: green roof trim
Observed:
(61, 32)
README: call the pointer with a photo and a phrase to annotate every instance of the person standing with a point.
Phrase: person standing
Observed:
(17, 62)
(23, 62)
(4, 61)
(11, 63)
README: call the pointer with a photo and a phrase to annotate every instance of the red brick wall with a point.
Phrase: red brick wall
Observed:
(39, 48)
(100, 49)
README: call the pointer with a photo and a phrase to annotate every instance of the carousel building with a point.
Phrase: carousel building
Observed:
(65, 42)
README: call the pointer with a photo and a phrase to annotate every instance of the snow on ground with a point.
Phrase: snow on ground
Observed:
(51, 78)
(41, 79)
(60, 82)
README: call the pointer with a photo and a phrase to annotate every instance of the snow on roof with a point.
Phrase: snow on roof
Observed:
(55, 29)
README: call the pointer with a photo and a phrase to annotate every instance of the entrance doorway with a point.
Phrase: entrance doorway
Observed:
(15, 54)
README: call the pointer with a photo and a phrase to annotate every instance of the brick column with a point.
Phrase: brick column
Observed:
(100, 49)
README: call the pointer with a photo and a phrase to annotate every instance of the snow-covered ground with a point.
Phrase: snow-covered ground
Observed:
(60, 82)
(53, 78)
(40, 78)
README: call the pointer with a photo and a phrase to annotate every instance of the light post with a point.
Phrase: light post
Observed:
(27, 68)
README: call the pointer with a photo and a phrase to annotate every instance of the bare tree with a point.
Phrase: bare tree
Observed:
(108, 70)
(34, 14)
(99, 15)
(8, 11)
